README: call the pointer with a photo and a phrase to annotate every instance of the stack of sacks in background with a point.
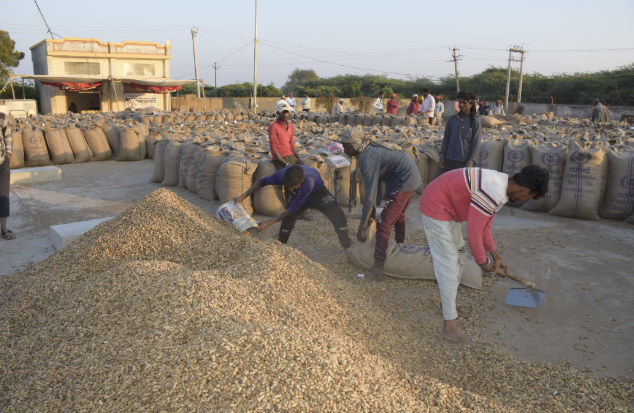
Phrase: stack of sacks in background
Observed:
(123, 136)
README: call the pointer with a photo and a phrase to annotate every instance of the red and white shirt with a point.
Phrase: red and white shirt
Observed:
(281, 139)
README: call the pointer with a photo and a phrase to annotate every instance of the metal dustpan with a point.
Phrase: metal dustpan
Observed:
(523, 297)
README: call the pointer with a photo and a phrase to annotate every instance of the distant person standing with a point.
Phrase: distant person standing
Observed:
(427, 110)
(338, 107)
(413, 106)
(306, 103)
(73, 108)
(6, 152)
(378, 103)
(485, 109)
(456, 107)
(279, 102)
(461, 142)
(439, 110)
(291, 101)
(599, 112)
(392, 104)
(281, 139)
(498, 109)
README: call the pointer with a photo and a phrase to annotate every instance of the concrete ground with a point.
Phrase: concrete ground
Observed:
(586, 268)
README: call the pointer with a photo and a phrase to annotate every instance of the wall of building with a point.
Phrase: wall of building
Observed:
(576, 111)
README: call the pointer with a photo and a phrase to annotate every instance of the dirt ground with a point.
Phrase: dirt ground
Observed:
(586, 268)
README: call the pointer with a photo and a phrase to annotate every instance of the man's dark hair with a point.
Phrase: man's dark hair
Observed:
(381, 93)
(470, 97)
(534, 178)
(425, 90)
(294, 176)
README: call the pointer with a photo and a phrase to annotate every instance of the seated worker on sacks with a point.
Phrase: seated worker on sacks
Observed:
(379, 161)
(306, 190)
(473, 195)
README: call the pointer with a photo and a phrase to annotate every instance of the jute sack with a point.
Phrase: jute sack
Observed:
(192, 171)
(409, 120)
(186, 158)
(368, 121)
(359, 120)
(79, 145)
(130, 146)
(422, 163)
(98, 144)
(159, 162)
(208, 166)
(59, 147)
(17, 160)
(490, 155)
(551, 157)
(172, 158)
(581, 186)
(517, 155)
(489, 121)
(144, 134)
(387, 120)
(270, 199)
(342, 118)
(630, 220)
(112, 135)
(409, 261)
(234, 178)
(151, 141)
(619, 198)
(397, 121)
(35, 150)
(433, 163)
(327, 173)
(377, 120)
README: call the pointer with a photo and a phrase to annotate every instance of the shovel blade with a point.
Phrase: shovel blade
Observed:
(524, 297)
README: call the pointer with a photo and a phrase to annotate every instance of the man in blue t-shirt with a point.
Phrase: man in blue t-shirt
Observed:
(306, 190)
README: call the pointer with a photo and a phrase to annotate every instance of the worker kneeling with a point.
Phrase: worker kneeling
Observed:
(473, 195)
(306, 190)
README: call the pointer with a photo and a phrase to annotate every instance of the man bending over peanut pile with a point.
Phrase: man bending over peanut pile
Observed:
(473, 195)
(306, 190)
(382, 161)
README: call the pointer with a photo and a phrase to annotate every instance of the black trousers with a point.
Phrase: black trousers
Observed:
(306, 110)
(5, 179)
(450, 165)
(323, 201)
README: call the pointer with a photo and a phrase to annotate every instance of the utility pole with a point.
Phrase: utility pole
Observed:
(255, 60)
(514, 49)
(216, 67)
(455, 59)
(194, 33)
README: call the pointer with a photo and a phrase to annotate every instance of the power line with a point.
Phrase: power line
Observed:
(206, 67)
(41, 14)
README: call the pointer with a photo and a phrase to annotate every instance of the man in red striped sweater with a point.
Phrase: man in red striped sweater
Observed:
(473, 195)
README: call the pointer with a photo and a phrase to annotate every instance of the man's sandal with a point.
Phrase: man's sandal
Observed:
(8, 234)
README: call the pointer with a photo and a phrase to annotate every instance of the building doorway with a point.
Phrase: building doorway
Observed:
(86, 101)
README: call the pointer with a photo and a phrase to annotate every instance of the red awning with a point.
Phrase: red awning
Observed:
(73, 87)
(156, 89)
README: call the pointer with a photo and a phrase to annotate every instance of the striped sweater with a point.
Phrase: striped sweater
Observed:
(470, 194)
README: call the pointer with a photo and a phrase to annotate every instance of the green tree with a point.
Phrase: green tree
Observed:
(9, 57)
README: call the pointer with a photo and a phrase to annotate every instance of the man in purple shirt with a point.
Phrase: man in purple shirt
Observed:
(306, 190)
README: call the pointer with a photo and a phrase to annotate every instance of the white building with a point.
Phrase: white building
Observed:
(102, 76)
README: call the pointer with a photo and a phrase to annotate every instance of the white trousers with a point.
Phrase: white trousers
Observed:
(448, 253)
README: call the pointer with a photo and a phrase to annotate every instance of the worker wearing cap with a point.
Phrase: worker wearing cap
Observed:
(281, 134)
(429, 104)
(291, 101)
(413, 106)
(6, 152)
(378, 103)
(498, 109)
(306, 190)
(473, 195)
(392, 104)
(338, 107)
(385, 162)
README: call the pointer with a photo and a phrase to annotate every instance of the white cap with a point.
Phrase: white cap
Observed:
(415, 96)
(340, 100)
(282, 106)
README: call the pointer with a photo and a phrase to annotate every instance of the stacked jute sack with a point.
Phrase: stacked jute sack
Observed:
(124, 136)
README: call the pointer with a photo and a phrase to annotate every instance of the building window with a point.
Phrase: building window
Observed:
(82, 68)
(139, 69)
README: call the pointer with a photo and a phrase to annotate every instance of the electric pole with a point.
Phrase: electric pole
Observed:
(255, 62)
(216, 67)
(513, 49)
(194, 33)
(519, 89)
(455, 59)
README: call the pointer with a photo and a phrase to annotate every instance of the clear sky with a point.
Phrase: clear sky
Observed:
(408, 38)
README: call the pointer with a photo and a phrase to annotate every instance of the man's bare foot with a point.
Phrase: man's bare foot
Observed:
(451, 332)
(461, 312)
(376, 273)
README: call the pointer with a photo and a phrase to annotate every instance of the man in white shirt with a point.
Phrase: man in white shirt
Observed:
(305, 103)
(378, 103)
(498, 109)
(338, 107)
(439, 110)
(429, 104)
(291, 101)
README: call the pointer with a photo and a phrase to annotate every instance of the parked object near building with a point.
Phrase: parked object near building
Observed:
(19, 108)
(102, 76)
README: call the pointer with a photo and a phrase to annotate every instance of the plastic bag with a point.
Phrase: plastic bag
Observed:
(236, 215)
